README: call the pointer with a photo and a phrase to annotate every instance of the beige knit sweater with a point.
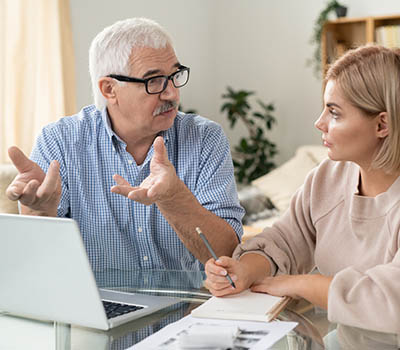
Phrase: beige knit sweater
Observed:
(353, 238)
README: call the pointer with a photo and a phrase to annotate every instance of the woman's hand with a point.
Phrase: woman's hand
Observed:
(312, 287)
(283, 285)
(251, 268)
(216, 272)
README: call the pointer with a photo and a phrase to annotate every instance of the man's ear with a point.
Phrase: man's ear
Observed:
(382, 127)
(107, 89)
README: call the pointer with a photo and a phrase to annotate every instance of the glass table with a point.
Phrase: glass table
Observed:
(313, 332)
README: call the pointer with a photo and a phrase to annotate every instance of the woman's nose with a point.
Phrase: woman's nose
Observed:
(319, 123)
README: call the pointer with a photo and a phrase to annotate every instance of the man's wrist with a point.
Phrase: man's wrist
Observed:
(28, 211)
(176, 194)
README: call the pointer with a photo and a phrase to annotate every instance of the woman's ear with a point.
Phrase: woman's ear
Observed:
(107, 89)
(382, 129)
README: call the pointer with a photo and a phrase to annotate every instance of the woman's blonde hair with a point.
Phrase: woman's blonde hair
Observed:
(369, 77)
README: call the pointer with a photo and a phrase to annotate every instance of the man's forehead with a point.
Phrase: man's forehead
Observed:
(145, 60)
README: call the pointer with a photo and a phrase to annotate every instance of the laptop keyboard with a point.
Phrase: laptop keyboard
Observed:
(114, 309)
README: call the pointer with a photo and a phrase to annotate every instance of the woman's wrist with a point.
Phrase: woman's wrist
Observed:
(256, 266)
(313, 287)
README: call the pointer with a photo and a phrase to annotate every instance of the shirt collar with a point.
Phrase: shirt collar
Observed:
(165, 135)
(107, 124)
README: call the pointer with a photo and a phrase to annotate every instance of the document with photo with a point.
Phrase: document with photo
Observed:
(194, 333)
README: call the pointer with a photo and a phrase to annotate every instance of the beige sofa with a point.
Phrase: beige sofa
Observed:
(7, 174)
(280, 184)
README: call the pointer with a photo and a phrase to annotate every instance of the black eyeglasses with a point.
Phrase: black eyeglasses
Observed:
(157, 84)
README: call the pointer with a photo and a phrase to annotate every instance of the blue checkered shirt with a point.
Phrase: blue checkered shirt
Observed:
(119, 233)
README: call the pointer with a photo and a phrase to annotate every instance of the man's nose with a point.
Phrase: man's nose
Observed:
(170, 92)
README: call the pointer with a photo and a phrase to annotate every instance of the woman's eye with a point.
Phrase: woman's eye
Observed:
(333, 113)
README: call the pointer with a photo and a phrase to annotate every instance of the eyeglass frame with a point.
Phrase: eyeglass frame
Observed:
(145, 81)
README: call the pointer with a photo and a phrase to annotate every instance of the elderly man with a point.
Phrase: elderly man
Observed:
(173, 171)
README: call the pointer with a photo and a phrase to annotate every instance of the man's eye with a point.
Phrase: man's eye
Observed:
(156, 81)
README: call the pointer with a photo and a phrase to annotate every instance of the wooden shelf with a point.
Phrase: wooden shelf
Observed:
(346, 33)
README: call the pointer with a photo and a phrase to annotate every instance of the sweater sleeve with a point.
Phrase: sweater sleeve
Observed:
(290, 243)
(368, 299)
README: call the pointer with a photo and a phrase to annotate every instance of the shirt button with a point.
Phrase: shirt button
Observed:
(140, 229)
(145, 258)
(130, 161)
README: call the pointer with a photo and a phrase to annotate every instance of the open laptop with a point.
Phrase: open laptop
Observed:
(45, 274)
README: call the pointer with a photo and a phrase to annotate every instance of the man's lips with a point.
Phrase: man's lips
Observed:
(168, 112)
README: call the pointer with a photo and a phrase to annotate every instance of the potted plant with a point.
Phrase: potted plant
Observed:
(252, 157)
(331, 6)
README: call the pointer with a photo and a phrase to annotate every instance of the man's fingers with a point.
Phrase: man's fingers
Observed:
(123, 187)
(140, 195)
(15, 190)
(160, 152)
(20, 160)
(120, 180)
(51, 181)
(28, 196)
(122, 190)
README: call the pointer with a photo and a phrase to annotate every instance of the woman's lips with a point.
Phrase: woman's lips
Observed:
(327, 144)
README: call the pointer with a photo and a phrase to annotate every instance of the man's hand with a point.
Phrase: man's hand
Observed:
(34, 189)
(160, 185)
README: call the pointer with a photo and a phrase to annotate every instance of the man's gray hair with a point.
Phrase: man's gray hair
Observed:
(111, 49)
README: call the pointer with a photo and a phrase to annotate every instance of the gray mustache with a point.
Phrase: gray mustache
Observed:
(165, 107)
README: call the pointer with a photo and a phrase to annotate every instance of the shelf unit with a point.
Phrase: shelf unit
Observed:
(346, 33)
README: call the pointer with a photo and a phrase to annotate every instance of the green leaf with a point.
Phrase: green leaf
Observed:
(248, 162)
(254, 152)
(243, 144)
(259, 115)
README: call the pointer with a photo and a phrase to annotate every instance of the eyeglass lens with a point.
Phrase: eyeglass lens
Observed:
(158, 84)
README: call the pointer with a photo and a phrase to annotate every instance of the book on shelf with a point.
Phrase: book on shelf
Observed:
(247, 306)
(388, 36)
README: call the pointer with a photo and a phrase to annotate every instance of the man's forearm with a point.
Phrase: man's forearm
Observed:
(184, 213)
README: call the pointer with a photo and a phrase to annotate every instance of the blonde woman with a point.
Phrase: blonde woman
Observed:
(345, 219)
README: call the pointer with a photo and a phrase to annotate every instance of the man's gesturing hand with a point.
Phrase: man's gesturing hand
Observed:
(34, 189)
(160, 185)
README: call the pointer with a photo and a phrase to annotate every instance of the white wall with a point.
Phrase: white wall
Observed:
(256, 45)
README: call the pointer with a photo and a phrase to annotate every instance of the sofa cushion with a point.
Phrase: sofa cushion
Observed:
(257, 206)
(7, 174)
(316, 152)
(280, 184)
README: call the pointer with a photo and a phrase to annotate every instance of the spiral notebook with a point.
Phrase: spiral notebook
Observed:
(247, 306)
